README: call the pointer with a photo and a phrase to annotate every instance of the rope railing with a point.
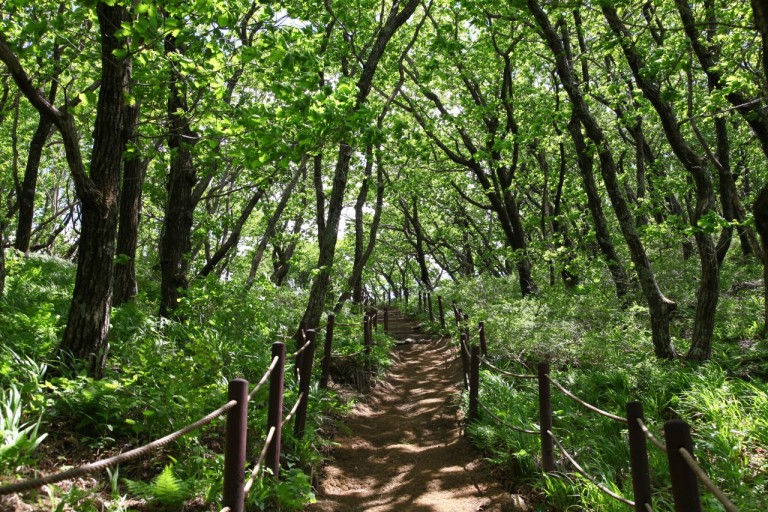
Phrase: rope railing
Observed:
(683, 468)
(653, 439)
(585, 404)
(704, 479)
(290, 415)
(264, 378)
(504, 423)
(103, 464)
(586, 475)
(260, 461)
(353, 354)
(301, 350)
(505, 372)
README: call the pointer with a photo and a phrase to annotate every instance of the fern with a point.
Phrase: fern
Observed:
(166, 488)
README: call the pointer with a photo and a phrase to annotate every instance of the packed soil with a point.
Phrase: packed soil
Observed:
(403, 448)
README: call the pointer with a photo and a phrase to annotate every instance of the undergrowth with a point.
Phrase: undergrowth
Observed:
(162, 376)
(603, 354)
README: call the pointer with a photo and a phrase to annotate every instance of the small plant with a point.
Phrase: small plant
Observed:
(166, 488)
(19, 439)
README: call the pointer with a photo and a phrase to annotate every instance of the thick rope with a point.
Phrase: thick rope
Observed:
(585, 404)
(709, 484)
(589, 477)
(293, 411)
(506, 373)
(269, 371)
(504, 423)
(348, 355)
(654, 441)
(648, 507)
(301, 350)
(262, 455)
(93, 467)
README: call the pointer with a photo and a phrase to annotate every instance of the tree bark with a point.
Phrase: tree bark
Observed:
(125, 287)
(175, 243)
(85, 336)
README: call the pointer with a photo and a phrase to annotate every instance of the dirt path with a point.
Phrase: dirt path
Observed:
(403, 449)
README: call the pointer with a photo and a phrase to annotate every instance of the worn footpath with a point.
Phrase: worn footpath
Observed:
(403, 448)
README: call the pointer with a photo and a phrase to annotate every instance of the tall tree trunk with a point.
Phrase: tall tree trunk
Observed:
(175, 243)
(709, 287)
(134, 170)
(327, 241)
(26, 192)
(760, 206)
(660, 308)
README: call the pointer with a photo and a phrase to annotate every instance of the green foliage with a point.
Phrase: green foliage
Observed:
(19, 438)
(166, 489)
(600, 352)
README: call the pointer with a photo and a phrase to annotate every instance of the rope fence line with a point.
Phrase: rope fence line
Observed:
(585, 404)
(301, 350)
(653, 439)
(704, 479)
(504, 423)
(684, 471)
(93, 467)
(586, 475)
(293, 410)
(506, 373)
(260, 461)
(264, 379)
(353, 354)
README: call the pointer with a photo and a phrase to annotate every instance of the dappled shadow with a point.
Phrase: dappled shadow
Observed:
(403, 448)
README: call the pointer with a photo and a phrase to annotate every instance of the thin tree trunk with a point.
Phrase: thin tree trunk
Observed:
(659, 306)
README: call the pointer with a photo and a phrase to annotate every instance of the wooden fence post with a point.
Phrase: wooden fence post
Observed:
(234, 446)
(386, 319)
(545, 419)
(474, 383)
(466, 326)
(367, 333)
(327, 351)
(685, 487)
(275, 411)
(304, 381)
(431, 311)
(420, 302)
(442, 312)
(638, 457)
(483, 343)
(464, 346)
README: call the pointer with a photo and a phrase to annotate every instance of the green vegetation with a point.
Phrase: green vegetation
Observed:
(163, 375)
(599, 351)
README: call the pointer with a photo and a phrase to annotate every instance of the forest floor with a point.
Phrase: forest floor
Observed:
(403, 448)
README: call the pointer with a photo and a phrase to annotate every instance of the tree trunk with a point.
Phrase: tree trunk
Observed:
(175, 243)
(327, 241)
(125, 287)
(85, 336)
(660, 308)
(26, 192)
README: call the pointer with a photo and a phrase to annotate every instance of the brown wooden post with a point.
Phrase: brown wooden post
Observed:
(386, 319)
(234, 446)
(442, 312)
(483, 343)
(420, 302)
(545, 419)
(327, 352)
(405, 294)
(275, 411)
(367, 333)
(474, 383)
(638, 457)
(304, 382)
(431, 311)
(466, 326)
(464, 346)
(685, 487)
(375, 317)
